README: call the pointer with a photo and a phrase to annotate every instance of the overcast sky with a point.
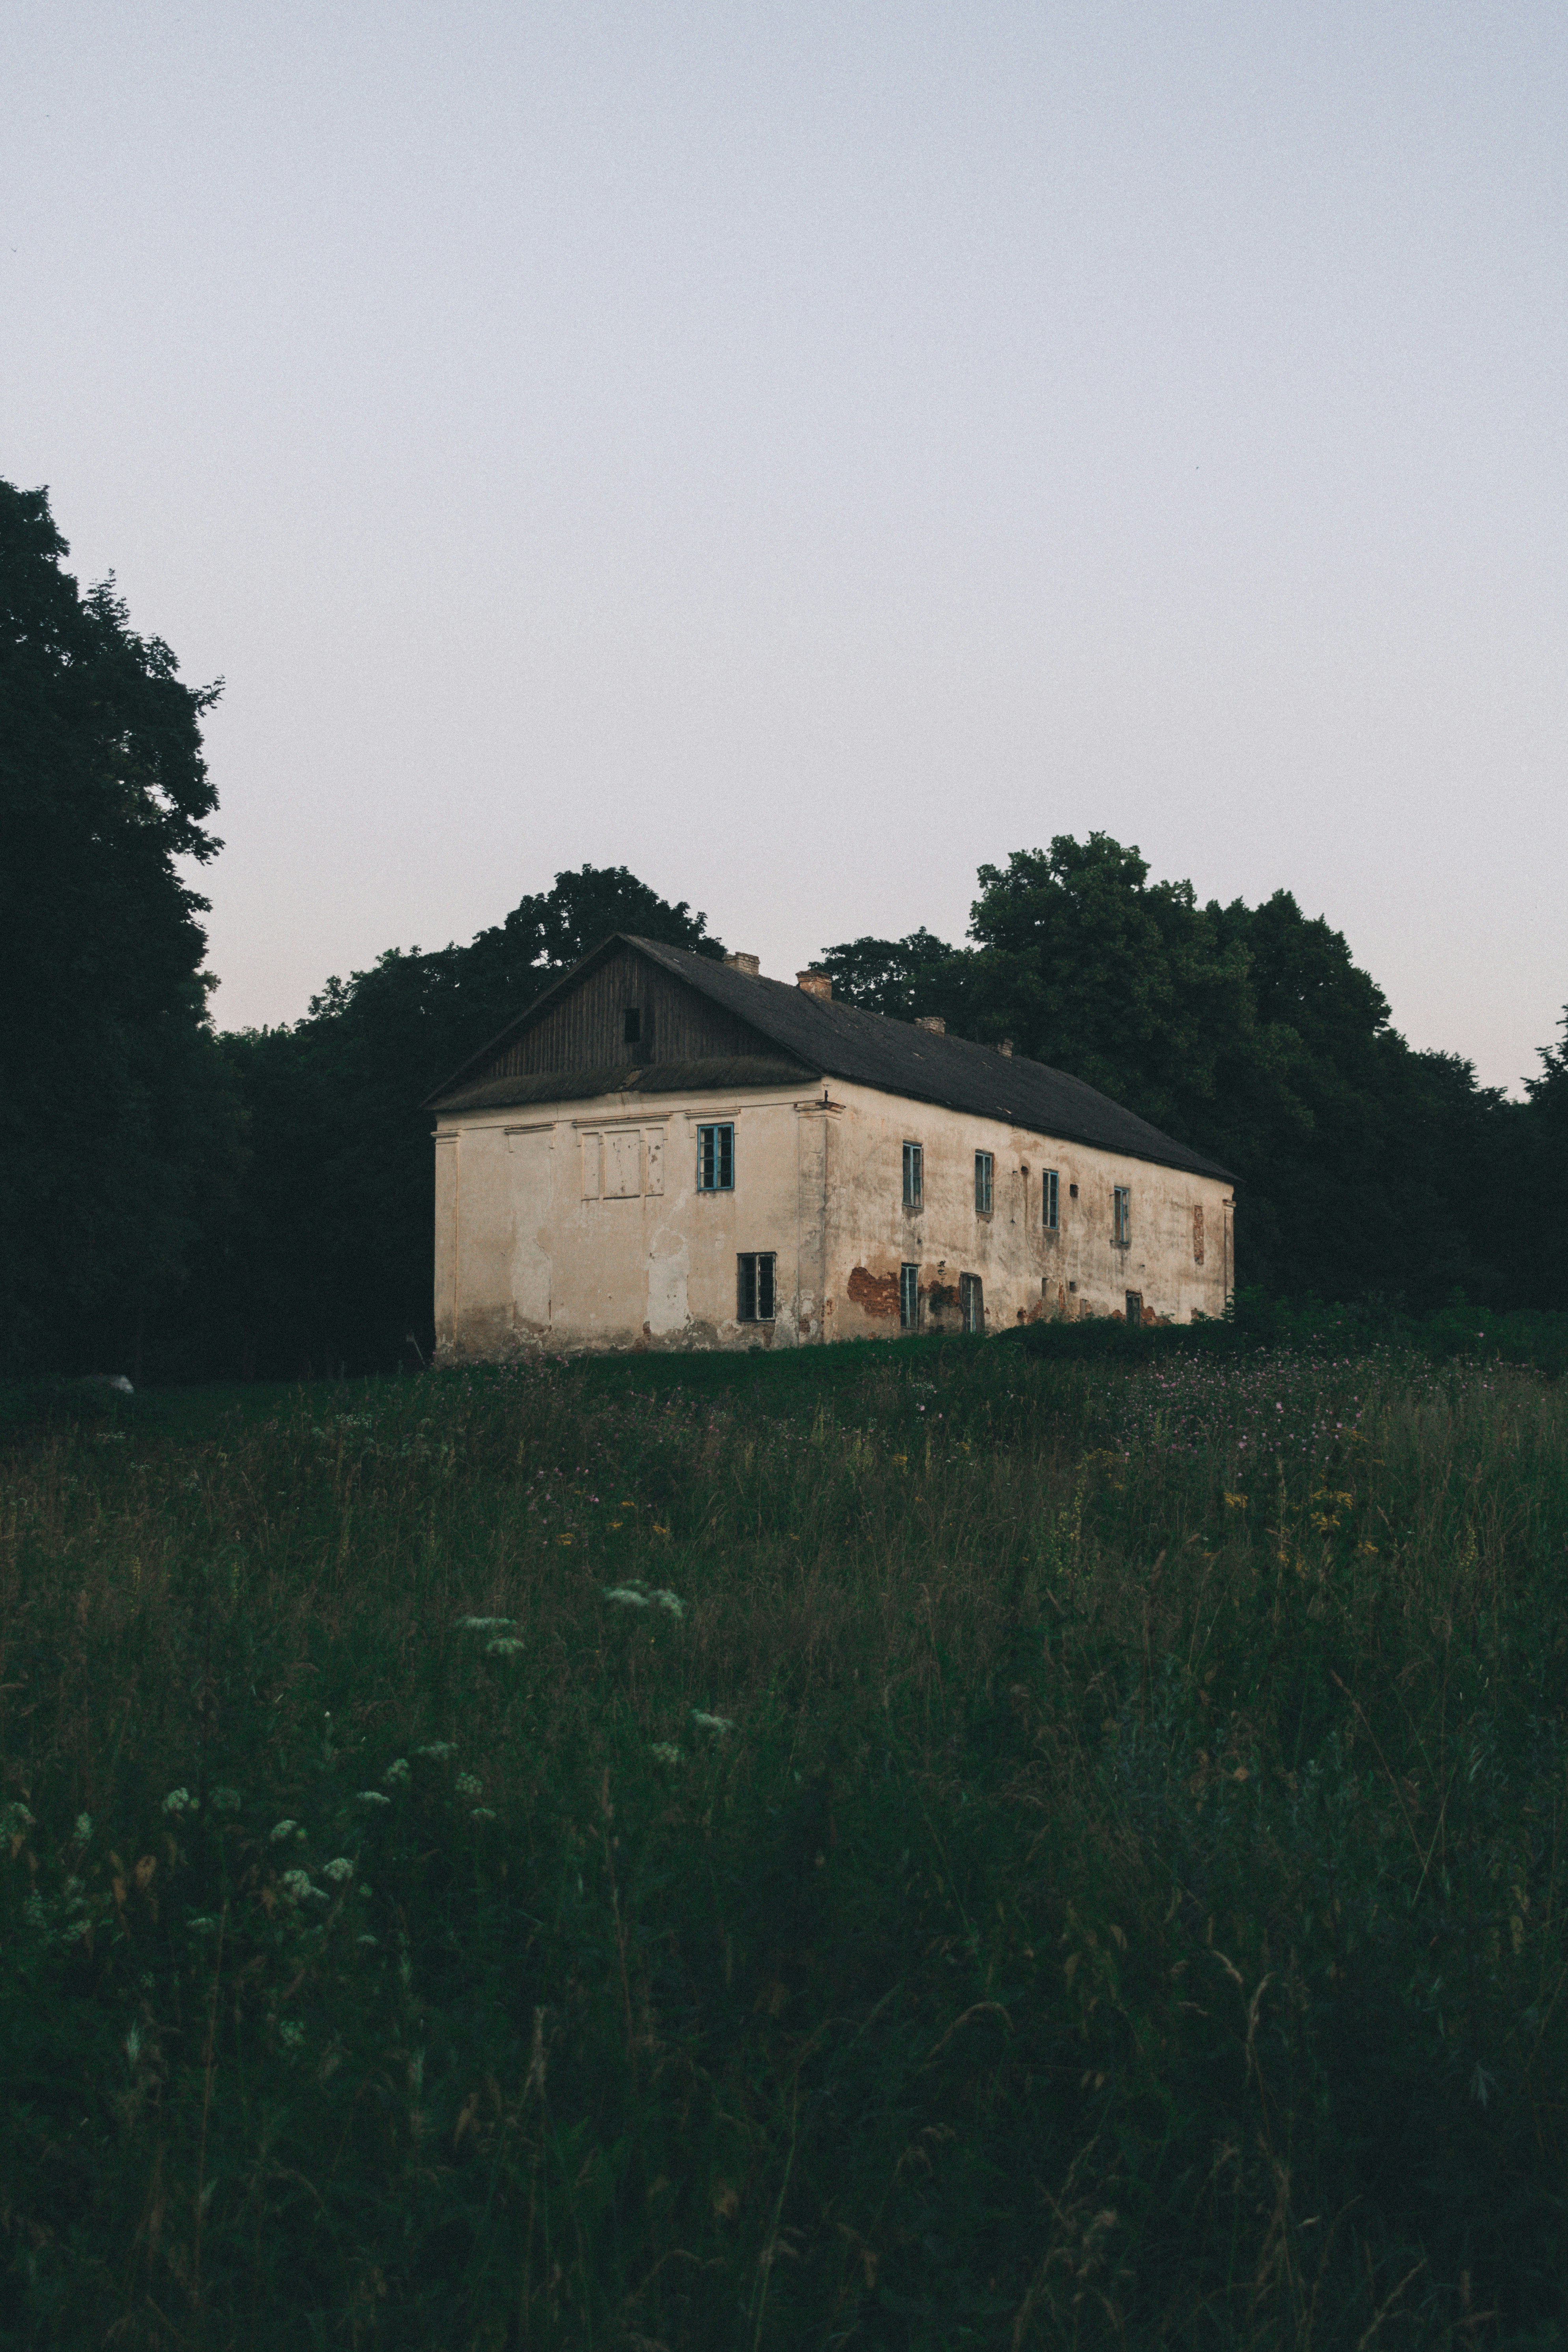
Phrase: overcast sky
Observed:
(801, 452)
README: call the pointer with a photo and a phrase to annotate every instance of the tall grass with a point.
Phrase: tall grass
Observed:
(916, 1847)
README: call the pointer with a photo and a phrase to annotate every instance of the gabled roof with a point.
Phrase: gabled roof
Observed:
(831, 1040)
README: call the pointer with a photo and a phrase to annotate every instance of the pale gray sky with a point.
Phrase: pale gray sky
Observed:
(803, 451)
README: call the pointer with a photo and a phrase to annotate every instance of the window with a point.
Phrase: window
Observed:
(631, 1025)
(1121, 1216)
(983, 1165)
(716, 1159)
(754, 1286)
(1050, 1201)
(971, 1302)
(915, 1175)
(909, 1298)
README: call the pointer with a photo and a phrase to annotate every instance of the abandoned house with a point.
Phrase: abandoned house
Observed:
(665, 1150)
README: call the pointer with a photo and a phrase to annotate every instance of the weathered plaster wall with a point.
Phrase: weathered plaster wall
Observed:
(1027, 1270)
(582, 1226)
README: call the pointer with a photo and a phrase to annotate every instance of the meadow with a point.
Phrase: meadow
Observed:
(945, 1844)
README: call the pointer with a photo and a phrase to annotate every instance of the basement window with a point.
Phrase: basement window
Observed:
(914, 1176)
(715, 1158)
(1050, 1201)
(984, 1167)
(1121, 1216)
(631, 1025)
(909, 1298)
(754, 1286)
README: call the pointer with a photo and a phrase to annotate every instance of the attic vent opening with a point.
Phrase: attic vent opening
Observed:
(631, 1025)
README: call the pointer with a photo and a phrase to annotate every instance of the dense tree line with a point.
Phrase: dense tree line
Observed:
(188, 1204)
(1366, 1169)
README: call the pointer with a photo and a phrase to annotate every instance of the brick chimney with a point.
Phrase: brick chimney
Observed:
(750, 964)
(1005, 1048)
(815, 982)
(932, 1021)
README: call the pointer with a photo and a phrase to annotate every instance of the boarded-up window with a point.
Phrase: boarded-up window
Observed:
(623, 1164)
(1198, 1233)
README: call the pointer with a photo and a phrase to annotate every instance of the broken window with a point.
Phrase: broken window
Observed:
(915, 1175)
(1050, 1201)
(909, 1298)
(754, 1286)
(972, 1302)
(984, 1165)
(631, 1025)
(1121, 1216)
(715, 1158)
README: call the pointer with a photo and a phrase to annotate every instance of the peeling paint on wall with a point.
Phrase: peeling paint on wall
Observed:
(583, 1228)
(876, 1293)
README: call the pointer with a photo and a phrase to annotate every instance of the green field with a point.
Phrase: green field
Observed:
(926, 1846)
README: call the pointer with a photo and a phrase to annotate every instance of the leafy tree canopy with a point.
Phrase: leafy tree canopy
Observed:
(116, 1117)
(1250, 1032)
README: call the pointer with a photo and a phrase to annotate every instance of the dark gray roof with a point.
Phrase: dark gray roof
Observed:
(832, 1040)
(735, 1070)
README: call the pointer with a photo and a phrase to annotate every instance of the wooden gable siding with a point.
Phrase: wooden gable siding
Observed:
(586, 1028)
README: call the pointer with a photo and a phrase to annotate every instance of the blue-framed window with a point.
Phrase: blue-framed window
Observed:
(909, 1298)
(984, 1167)
(1050, 1204)
(915, 1175)
(1122, 1205)
(716, 1156)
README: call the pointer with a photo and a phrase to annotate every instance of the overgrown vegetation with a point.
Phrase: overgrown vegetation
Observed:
(920, 1846)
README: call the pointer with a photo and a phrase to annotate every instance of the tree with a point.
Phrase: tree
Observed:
(1246, 1032)
(118, 1122)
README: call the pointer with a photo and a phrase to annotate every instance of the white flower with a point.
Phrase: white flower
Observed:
(485, 1624)
(627, 1595)
(467, 1786)
(178, 1802)
(398, 1770)
(372, 1797)
(506, 1645)
(665, 1751)
(438, 1748)
(719, 1723)
(337, 1870)
(296, 1885)
(224, 1800)
(283, 1830)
